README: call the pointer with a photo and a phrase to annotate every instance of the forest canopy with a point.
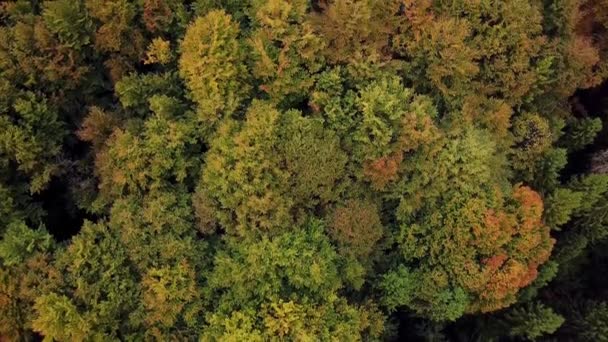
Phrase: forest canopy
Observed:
(306, 170)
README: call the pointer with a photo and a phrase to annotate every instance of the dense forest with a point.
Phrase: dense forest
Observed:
(304, 170)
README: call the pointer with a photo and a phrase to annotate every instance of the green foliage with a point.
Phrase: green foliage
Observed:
(356, 227)
(544, 173)
(236, 8)
(462, 47)
(34, 59)
(398, 288)
(582, 132)
(285, 50)
(158, 233)
(156, 228)
(258, 172)
(25, 275)
(159, 51)
(59, 319)
(137, 160)
(593, 325)
(135, 91)
(253, 282)
(31, 136)
(532, 321)
(97, 127)
(97, 292)
(382, 105)
(20, 242)
(355, 31)
(546, 273)
(8, 210)
(116, 31)
(532, 140)
(301, 259)
(464, 235)
(560, 206)
(589, 215)
(242, 174)
(168, 294)
(313, 158)
(211, 64)
(440, 56)
(69, 21)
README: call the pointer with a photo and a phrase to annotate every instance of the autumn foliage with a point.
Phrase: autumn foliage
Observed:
(331, 170)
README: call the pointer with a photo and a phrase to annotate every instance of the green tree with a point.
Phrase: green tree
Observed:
(286, 53)
(356, 227)
(284, 287)
(136, 90)
(258, 172)
(69, 21)
(211, 64)
(19, 242)
(26, 272)
(58, 318)
(136, 160)
(97, 293)
(581, 132)
(159, 234)
(560, 206)
(242, 174)
(532, 321)
(314, 159)
(32, 136)
(592, 325)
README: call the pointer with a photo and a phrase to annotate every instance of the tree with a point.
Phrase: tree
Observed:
(117, 35)
(582, 132)
(140, 159)
(473, 244)
(26, 272)
(43, 54)
(589, 215)
(355, 31)
(356, 228)
(159, 51)
(59, 319)
(532, 139)
(69, 21)
(259, 172)
(314, 159)
(440, 55)
(284, 286)
(461, 47)
(532, 321)
(560, 206)
(32, 135)
(286, 52)
(135, 91)
(212, 66)
(97, 127)
(592, 325)
(97, 292)
(170, 295)
(19, 242)
(303, 170)
(378, 123)
(159, 234)
(242, 174)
